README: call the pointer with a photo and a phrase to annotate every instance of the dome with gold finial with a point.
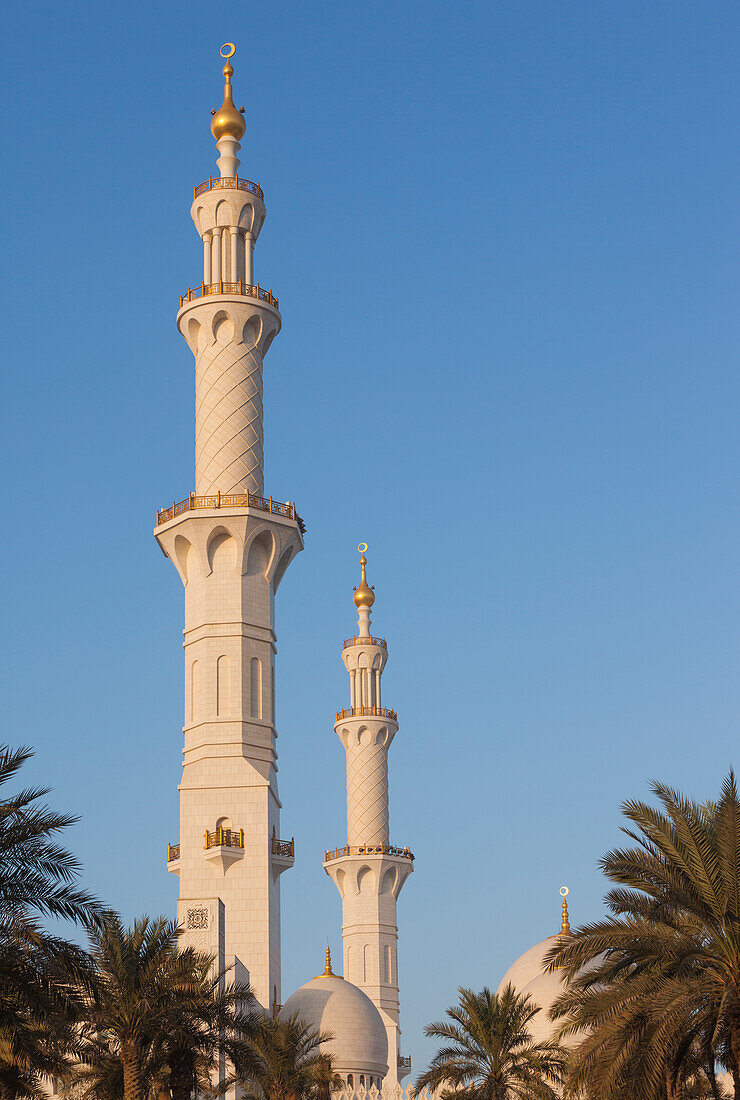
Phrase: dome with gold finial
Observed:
(227, 120)
(356, 1035)
(364, 596)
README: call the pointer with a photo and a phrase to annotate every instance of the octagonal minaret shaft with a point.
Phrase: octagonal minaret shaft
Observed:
(231, 547)
(369, 871)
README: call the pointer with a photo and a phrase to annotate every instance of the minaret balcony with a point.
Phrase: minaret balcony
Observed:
(348, 642)
(282, 854)
(404, 1062)
(215, 183)
(248, 290)
(368, 850)
(230, 500)
(173, 858)
(366, 712)
(224, 846)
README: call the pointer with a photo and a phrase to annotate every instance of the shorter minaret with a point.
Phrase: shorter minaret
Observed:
(369, 871)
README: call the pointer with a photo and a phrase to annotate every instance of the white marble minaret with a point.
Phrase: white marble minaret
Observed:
(231, 547)
(369, 871)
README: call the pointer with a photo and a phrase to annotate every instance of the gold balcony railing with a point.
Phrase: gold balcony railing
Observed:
(371, 712)
(368, 850)
(283, 847)
(224, 838)
(363, 641)
(230, 500)
(404, 1061)
(251, 291)
(173, 852)
(215, 183)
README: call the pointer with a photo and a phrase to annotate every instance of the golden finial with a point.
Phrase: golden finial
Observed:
(227, 120)
(565, 925)
(328, 972)
(364, 596)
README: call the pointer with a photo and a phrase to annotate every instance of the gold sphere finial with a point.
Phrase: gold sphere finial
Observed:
(364, 596)
(565, 925)
(227, 120)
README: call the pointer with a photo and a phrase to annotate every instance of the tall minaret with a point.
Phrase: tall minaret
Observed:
(231, 547)
(369, 871)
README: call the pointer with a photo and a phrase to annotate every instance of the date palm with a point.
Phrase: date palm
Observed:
(287, 1063)
(167, 1018)
(489, 1051)
(654, 988)
(39, 971)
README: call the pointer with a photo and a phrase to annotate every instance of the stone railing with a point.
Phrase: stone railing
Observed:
(248, 289)
(173, 852)
(368, 850)
(224, 838)
(370, 712)
(283, 847)
(215, 183)
(230, 500)
(364, 641)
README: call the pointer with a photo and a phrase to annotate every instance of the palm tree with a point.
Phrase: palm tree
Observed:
(289, 1064)
(489, 1052)
(654, 989)
(137, 974)
(38, 970)
(159, 1019)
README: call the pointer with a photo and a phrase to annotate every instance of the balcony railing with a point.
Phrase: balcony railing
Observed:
(221, 287)
(173, 852)
(364, 641)
(224, 838)
(368, 850)
(283, 847)
(215, 183)
(361, 712)
(230, 500)
(404, 1061)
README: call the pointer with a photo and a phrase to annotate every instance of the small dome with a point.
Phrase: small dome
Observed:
(227, 120)
(360, 1042)
(364, 595)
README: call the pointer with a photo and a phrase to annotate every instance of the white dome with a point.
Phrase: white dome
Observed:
(528, 975)
(528, 966)
(360, 1043)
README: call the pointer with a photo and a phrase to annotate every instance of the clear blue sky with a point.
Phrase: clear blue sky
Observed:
(505, 241)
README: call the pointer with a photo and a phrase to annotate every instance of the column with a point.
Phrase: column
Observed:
(248, 258)
(216, 264)
(225, 254)
(233, 271)
(207, 247)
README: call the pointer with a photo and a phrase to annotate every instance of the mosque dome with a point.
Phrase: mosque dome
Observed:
(529, 976)
(360, 1042)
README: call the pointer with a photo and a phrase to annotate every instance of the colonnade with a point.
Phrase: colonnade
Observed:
(364, 687)
(228, 255)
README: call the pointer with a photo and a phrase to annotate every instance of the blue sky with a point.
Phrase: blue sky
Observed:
(504, 237)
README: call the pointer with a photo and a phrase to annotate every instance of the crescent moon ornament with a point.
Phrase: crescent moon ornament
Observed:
(362, 547)
(564, 891)
(230, 49)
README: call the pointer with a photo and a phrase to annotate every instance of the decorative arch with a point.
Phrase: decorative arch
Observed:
(365, 880)
(260, 553)
(285, 560)
(221, 550)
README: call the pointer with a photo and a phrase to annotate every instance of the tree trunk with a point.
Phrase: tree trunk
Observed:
(181, 1076)
(131, 1062)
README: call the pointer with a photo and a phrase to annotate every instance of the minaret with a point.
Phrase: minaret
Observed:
(231, 547)
(369, 871)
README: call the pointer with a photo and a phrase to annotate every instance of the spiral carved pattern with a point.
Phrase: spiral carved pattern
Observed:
(228, 419)
(367, 794)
